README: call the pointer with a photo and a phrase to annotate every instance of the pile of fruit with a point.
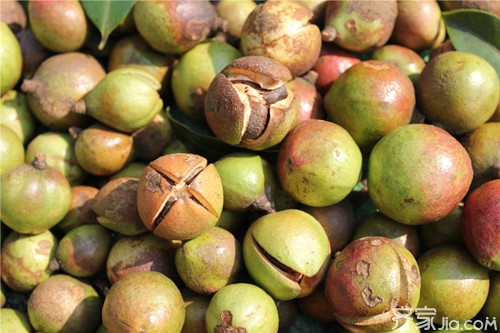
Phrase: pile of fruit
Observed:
(250, 166)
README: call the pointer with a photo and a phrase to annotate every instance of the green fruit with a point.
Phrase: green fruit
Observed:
(414, 181)
(144, 302)
(63, 303)
(11, 149)
(35, 197)
(58, 148)
(453, 283)
(319, 163)
(209, 261)
(190, 81)
(10, 53)
(458, 90)
(286, 253)
(248, 182)
(15, 113)
(244, 306)
(126, 99)
(14, 321)
(26, 259)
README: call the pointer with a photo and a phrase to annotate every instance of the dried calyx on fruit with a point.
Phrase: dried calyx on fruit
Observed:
(179, 196)
(248, 103)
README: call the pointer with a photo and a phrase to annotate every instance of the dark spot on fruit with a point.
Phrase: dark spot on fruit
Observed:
(409, 200)
(369, 299)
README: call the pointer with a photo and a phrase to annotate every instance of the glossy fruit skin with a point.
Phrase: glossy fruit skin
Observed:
(414, 181)
(26, 259)
(63, 303)
(458, 90)
(10, 53)
(143, 301)
(286, 253)
(449, 272)
(61, 26)
(210, 261)
(480, 224)
(282, 31)
(35, 197)
(312, 163)
(369, 281)
(103, 151)
(369, 100)
(250, 307)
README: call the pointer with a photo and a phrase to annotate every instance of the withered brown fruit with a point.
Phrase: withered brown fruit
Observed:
(248, 103)
(179, 196)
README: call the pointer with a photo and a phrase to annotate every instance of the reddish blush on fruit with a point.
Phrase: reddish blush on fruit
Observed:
(480, 224)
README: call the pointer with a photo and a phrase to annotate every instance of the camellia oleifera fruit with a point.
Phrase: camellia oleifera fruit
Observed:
(418, 174)
(319, 163)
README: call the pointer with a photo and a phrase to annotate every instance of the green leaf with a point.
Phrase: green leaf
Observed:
(106, 15)
(475, 31)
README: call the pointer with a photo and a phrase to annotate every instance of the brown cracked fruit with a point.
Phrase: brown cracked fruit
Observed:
(371, 282)
(248, 103)
(179, 196)
(281, 30)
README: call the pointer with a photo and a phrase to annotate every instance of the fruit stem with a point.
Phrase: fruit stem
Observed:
(39, 162)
